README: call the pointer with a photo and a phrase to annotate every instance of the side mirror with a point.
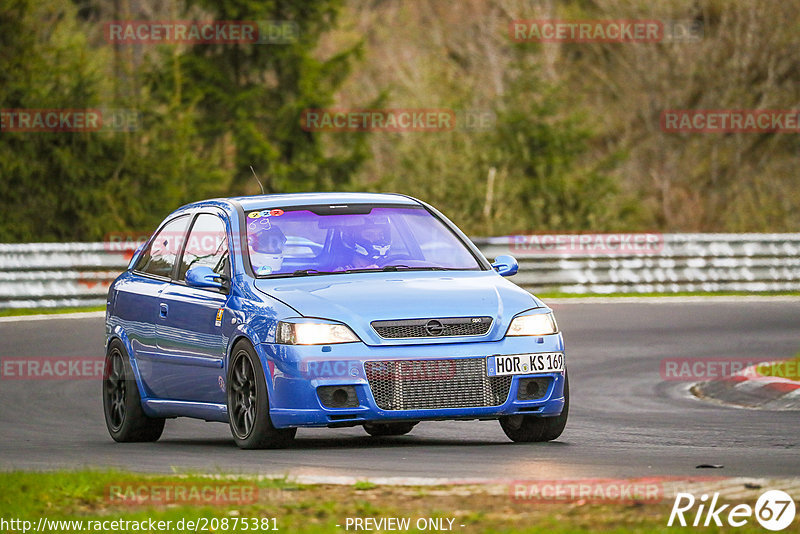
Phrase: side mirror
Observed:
(505, 265)
(202, 276)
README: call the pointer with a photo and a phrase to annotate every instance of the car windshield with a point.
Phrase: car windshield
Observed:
(341, 239)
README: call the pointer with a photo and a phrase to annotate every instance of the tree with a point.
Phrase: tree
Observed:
(51, 183)
(251, 97)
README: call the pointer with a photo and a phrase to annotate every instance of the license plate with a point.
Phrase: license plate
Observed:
(524, 364)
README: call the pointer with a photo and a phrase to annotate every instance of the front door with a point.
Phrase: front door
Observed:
(190, 327)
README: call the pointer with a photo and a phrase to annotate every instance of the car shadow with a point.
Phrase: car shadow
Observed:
(356, 442)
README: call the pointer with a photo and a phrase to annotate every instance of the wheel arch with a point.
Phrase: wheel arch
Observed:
(119, 334)
(243, 334)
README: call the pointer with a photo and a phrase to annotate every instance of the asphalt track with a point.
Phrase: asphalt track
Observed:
(625, 421)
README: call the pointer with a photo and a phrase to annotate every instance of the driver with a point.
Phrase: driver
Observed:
(368, 244)
(266, 250)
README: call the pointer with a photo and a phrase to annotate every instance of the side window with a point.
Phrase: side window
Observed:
(160, 257)
(207, 245)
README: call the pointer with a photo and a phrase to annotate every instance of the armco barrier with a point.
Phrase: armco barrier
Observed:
(50, 275)
(682, 262)
(78, 274)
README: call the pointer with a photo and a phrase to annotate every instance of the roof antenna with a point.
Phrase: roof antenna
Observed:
(257, 180)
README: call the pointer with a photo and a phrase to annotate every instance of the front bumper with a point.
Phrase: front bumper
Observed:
(295, 372)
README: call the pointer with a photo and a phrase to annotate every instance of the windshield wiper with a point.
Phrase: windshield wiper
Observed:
(393, 268)
(407, 268)
(309, 272)
(388, 268)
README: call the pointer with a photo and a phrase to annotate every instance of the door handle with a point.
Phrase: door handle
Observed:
(164, 310)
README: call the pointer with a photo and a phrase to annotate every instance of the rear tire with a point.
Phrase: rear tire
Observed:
(534, 428)
(122, 405)
(388, 429)
(248, 403)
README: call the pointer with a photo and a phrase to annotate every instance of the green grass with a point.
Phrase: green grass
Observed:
(84, 495)
(11, 312)
(785, 369)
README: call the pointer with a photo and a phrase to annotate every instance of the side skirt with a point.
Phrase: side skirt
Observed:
(198, 410)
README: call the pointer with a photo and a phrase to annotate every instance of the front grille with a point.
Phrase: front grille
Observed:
(436, 327)
(432, 384)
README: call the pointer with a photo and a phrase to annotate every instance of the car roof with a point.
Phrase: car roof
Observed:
(303, 199)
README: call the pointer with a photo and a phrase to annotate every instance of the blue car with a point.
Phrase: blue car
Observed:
(276, 312)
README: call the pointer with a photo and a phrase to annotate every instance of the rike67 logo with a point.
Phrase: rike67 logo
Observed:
(774, 510)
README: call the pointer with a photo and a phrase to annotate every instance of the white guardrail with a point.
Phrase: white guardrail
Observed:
(78, 274)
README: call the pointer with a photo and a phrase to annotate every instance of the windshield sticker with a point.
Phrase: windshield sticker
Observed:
(265, 213)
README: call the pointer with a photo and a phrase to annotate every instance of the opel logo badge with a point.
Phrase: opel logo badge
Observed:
(434, 327)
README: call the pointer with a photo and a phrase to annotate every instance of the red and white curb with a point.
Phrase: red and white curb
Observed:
(749, 389)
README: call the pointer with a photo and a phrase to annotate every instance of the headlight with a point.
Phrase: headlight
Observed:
(540, 324)
(313, 334)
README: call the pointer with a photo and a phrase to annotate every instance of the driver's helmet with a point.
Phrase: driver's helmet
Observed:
(266, 249)
(370, 241)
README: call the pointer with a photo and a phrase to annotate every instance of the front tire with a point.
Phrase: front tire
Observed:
(248, 403)
(533, 428)
(122, 405)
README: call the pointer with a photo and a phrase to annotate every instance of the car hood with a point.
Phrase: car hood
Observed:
(357, 299)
